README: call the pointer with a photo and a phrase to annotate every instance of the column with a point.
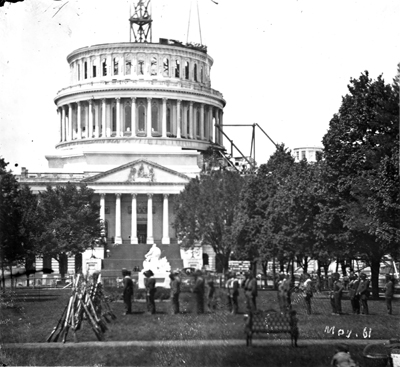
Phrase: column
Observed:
(60, 121)
(63, 123)
(90, 119)
(103, 207)
(216, 123)
(70, 124)
(134, 239)
(164, 118)
(150, 239)
(178, 118)
(96, 120)
(165, 238)
(201, 122)
(118, 238)
(86, 109)
(133, 114)
(221, 121)
(103, 118)
(191, 121)
(148, 117)
(210, 124)
(78, 120)
(118, 116)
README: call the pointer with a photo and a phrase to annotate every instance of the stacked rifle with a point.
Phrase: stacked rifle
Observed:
(87, 302)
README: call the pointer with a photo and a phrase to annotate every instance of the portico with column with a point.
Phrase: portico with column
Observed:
(118, 215)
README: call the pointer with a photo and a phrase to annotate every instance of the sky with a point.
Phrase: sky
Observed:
(284, 65)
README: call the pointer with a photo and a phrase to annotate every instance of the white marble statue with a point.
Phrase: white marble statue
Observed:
(153, 261)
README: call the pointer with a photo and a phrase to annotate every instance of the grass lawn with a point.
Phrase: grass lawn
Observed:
(30, 318)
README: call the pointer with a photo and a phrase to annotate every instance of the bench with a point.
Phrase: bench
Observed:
(271, 322)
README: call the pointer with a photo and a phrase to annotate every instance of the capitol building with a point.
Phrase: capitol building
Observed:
(134, 123)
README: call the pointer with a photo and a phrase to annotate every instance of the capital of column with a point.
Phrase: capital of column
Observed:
(165, 196)
(150, 195)
(133, 99)
(149, 99)
(134, 196)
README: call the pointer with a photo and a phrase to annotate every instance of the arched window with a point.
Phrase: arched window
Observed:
(153, 66)
(195, 72)
(127, 118)
(169, 130)
(154, 117)
(116, 63)
(187, 70)
(141, 117)
(166, 67)
(104, 67)
(128, 66)
(177, 68)
(140, 70)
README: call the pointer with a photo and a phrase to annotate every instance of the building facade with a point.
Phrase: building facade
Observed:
(133, 125)
(311, 154)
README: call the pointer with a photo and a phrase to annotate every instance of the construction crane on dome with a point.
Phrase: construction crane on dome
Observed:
(141, 30)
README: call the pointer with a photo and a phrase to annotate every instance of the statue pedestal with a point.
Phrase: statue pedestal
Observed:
(162, 279)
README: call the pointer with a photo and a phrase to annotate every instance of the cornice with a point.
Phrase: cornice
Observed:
(141, 89)
(134, 48)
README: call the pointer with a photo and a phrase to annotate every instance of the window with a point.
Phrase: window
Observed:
(79, 72)
(177, 68)
(303, 154)
(165, 67)
(140, 67)
(318, 156)
(187, 121)
(128, 66)
(187, 70)
(169, 119)
(114, 119)
(85, 68)
(154, 116)
(201, 75)
(141, 117)
(205, 260)
(115, 66)
(198, 122)
(127, 118)
(298, 155)
(195, 72)
(153, 66)
(104, 64)
(94, 71)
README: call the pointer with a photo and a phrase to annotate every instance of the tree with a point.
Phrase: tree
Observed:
(205, 210)
(70, 222)
(361, 153)
(256, 236)
(11, 248)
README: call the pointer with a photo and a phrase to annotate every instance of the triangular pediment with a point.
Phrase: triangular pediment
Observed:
(139, 171)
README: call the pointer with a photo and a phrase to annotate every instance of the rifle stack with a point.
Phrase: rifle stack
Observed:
(87, 302)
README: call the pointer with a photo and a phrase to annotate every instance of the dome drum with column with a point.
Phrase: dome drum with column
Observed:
(125, 92)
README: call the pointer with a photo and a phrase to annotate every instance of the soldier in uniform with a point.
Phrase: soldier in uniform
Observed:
(250, 291)
(175, 291)
(150, 284)
(128, 291)
(363, 293)
(235, 294)
(198, 289)
(389, 291)
(354, 298)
